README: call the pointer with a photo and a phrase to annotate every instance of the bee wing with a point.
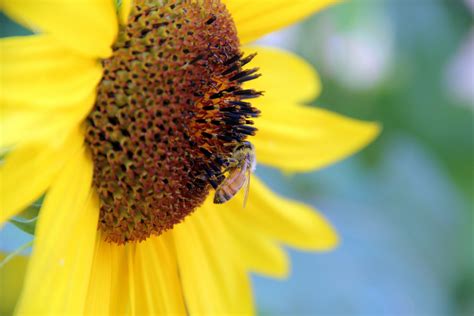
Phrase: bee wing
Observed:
(247, 185)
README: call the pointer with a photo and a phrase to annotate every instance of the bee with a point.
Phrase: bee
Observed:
(241, 164)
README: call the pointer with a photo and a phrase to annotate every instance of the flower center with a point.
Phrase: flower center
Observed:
(169, 114)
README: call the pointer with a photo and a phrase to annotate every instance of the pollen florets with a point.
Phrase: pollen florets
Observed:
(170, 110)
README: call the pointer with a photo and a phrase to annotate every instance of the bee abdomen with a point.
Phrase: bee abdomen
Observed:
(222, 195)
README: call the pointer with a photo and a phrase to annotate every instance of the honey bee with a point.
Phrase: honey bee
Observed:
(241, 165)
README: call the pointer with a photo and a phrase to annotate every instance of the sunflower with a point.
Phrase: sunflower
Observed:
(126, 118)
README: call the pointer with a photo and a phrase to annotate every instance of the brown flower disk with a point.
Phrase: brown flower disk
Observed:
(169, 113)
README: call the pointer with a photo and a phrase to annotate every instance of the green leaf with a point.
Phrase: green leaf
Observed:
(26, 225)
(26, 220)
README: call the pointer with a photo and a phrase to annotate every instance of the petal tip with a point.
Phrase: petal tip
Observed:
(325, 240)
(373, 131)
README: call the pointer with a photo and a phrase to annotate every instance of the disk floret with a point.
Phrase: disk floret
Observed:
(170, 110)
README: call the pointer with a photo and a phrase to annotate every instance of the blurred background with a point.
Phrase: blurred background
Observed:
(403, 206)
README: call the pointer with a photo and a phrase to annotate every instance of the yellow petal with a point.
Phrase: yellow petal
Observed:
(301, 138)
(30, 169)
(11, 281)
(290, 222)
(284, 76)
(255, 18)
(213, 281)
(120, 288)
(46, 90)
(60, 266)
(259, 252)
(86, 26)
(38, 73)
(113, 280)
(158, 284)
(20, 125)
(132, 297)
(108, 291)
(104, 268)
